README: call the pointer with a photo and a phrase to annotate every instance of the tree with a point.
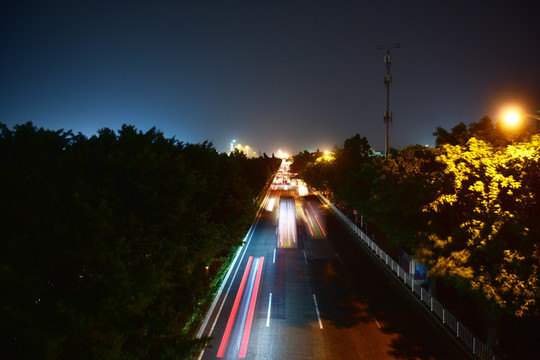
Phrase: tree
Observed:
(484, 231)
(458, 135)
(302, 160)
(486, 130)
(105, 240)
(408, 176)
(319, 174)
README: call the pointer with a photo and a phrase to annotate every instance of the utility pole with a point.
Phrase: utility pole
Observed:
(387, 80)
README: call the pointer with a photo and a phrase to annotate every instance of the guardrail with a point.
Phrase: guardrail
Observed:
(447, 319)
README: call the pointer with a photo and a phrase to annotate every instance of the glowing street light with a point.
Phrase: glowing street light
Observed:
(513, 118)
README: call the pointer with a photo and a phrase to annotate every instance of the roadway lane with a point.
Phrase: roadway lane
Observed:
(286, 223)
(284, 323)
(286, 303)
(366, 313)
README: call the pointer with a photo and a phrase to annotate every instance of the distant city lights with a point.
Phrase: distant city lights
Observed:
(282, 155)
(246, 149)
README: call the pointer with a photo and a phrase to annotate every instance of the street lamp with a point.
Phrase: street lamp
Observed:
(514, 118)
(533, 116)
(387, 80)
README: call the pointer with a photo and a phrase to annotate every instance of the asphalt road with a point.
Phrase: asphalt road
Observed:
(315, 294)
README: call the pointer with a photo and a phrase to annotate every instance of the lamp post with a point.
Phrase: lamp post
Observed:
(387, 80)
(533, 116)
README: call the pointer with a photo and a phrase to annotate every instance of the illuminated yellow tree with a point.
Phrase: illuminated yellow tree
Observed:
(485, 231)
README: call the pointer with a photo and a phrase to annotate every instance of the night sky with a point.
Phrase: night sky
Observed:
(292, 75)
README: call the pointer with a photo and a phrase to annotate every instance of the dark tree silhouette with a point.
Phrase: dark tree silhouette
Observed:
(106, 239)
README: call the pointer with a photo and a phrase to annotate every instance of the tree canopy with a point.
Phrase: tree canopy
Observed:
(484, 224)
(468, 208)
(106, 239)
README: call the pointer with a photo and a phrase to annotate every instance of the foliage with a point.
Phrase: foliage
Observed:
(342, 172)
(302, 160)
(348, 178)
(485, 130)
(106, 239)
(469, 208)
(484, 224)
(401, 186)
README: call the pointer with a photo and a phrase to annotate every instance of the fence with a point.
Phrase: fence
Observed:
(477, 347)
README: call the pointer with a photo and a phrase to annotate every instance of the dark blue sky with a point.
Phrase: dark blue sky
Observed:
(272, 74)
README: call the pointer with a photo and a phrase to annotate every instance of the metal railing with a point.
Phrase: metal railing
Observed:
(477, 347)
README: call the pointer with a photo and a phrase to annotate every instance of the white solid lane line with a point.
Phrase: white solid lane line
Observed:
(317, 310)
(269, 309)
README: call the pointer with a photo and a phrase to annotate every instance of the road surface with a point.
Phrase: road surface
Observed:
(301, 288)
